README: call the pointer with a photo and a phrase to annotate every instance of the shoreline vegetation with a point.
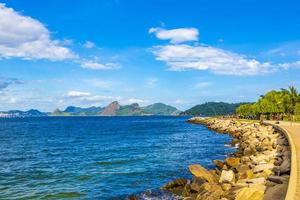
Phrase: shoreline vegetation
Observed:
(274, 105)
(259, 169)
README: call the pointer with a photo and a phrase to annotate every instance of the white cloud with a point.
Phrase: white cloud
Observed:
(67, 42)
(181, 57)
(290, 64)
(134, 100)
(98, 98)
(202, 85)
(89, 44)
(289, 50)
(176, 35)
(95, 65)
(78, 94)
(27, 38)
(219, 61)
(86, 98)
(151, 82)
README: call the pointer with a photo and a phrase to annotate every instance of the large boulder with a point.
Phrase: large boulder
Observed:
(227, 177)
(277, 179)
(276, 192)
(174, 183)
(210, 192)
(250, 193)
(200, 172)
(285, 166)
(262, 167)
(232, 161)
(219, 164)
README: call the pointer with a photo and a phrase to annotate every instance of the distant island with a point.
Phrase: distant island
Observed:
(115, 109)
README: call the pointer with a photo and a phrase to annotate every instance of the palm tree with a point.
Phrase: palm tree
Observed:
(293, 98)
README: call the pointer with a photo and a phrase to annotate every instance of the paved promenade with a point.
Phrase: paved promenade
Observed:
(293, 133)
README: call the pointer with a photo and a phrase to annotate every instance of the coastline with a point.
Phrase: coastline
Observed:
(258, 169)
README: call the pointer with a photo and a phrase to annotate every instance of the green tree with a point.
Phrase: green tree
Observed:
(297, 111)
(292, 97)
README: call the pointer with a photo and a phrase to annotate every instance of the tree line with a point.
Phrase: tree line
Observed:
(275, 105)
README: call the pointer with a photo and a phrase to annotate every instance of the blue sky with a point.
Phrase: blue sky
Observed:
(58, 53)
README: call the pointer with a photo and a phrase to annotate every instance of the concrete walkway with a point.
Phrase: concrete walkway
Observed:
(293, 134)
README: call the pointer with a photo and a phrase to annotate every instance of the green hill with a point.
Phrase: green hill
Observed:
(212, 108)
(133, 109)
(161, 109)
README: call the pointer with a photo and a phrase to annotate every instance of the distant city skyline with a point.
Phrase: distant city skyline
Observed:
(89, 53)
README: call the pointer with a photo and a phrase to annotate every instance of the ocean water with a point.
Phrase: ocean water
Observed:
(100, 157)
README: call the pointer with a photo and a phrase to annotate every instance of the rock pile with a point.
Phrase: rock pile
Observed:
(259, 169)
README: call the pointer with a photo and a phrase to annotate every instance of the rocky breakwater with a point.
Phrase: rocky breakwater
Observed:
(259, 169)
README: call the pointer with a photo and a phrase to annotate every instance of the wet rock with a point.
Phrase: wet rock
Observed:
(174, 183)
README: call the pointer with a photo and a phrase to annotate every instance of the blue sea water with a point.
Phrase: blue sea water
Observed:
(100, 157)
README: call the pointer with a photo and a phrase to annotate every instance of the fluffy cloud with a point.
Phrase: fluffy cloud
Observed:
(134, 100)
(89, 44)
(94, 65)
(27, 38)
(176, 35)
(183, 57)
(86, 98)
(78, 94)
(290, 64)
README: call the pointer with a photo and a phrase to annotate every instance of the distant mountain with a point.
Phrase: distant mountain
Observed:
(134, 109)
(83, 111)
(212, 108)
(161, 109)
(115, 109)
(19, 113)
(58, 112)
(111, 109)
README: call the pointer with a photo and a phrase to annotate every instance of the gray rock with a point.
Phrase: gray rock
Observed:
(276, 192)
